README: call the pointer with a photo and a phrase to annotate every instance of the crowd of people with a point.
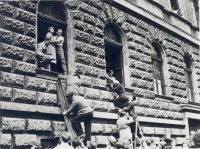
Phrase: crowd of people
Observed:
(80, 110)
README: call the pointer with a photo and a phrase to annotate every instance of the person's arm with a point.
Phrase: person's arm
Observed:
(55, 40)
(118, 86)
(73, 105)
(39, 50)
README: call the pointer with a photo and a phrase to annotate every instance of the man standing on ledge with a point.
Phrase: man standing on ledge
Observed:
(83, 113)
(58, 40)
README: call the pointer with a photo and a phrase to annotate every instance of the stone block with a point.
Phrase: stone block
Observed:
(178, 116)
(100, 106)
(148, 130)
(24, 139)
(183, 132)
(129, 36)
(99, 83)
(14, 3)
(10, 79)
(20, 95)
(5, 93)
(164, 105)
(97, 128)
(101, 140)
(110, 129)
(154, 104)
(168, 133)
(31, 30)
(71, 3)
(78, 25)
(100, 24)
(5, 139)
(25, 16)
(176, 132)
(180, 141)
(6, 36)
(86, 81)
(87, 8)
(38, 125)
(6, 8)
(58, 127)
(102, 16)
(159, 131)
(131, 19)
(107, 96)
(12, 24)
(24, 41)
(160, 113)
(11, 51)
(51, 87)
(33, 83)
(30, 6)
(99, 32)
(144, 102)
(5, 64)
(76, 14)
(92, 50)
(169, 115)
(126, 26)
(98, 62)
(92, 93)
(174, 107)
(97, 41)
(89, 19)
(23, 68)
(150, 112)
(13, 124)
(46, 98)
(30, 56)
(84, 58)
(108, 12)
(111, 107)
(140, 111)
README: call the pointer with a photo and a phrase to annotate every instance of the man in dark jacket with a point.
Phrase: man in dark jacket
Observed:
(83, 113)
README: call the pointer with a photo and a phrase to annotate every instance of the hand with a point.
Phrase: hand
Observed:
(64, 113)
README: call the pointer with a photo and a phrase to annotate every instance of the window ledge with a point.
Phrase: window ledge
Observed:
(164, 97)
(45, 74)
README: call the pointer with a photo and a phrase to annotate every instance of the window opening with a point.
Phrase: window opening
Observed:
(51, 14)
(113, 52)
(196, 9)
(174, 4)
(157, 64)
(188, 75)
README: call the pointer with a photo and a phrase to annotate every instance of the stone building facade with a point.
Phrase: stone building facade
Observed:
(151, 45)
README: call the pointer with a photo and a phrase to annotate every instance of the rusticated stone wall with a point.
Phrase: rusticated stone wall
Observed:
(87, 19)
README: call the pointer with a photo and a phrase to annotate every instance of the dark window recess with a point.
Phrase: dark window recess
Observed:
(47, 143)
(196, 9)
(51, 14)
(174, 4)
(188, 75)
(113, 52)
(157, 64)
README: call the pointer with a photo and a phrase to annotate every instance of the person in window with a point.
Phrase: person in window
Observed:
(123, 99)
(84, 114)
(51, 47)
(58, 40)
(111, 143)
(43, 58)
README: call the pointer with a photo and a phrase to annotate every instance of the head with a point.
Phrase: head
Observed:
(92, 145)
(196, 139)
(76, 142)
(47, 41)
(59, 32)
(51, 29)
(65, 136)
(111, 73)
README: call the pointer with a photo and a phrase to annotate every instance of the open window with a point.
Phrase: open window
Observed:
(158, 75)
(196, 9)
(51, 13)
(188, 75)
(113, 51)
(174, 4)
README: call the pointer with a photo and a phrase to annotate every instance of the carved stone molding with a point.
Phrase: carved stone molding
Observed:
(5, 93)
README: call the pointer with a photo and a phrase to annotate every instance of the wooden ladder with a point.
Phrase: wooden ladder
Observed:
(64, 105)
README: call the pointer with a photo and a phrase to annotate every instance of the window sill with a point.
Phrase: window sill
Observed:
(45, 74)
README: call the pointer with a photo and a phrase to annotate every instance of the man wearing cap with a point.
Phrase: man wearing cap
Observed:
(43, 58)
(84, 114)
(124, 129)
(196, 139)
(62, 142)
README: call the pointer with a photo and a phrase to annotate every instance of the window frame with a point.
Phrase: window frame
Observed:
(174, 2)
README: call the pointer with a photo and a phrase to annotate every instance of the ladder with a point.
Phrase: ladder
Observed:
(64, 105)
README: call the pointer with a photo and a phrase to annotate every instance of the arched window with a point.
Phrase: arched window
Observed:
(188, 75)
(157, 64)
(51, 13)
(113, 51)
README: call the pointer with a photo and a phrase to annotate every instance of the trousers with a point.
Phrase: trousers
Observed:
(87, 119)
(61, 57)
